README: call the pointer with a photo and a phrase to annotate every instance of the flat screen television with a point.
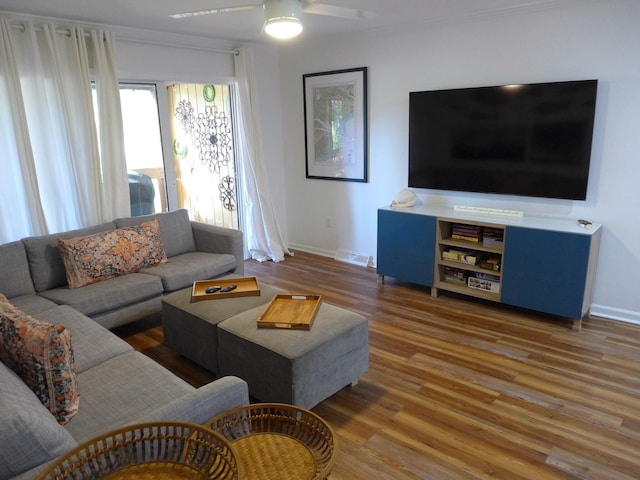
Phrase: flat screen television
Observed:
(531, 140)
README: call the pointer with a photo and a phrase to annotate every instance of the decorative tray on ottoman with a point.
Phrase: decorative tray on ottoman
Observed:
(278, 441)
(295, 312)
(228, 287)
(162, 450)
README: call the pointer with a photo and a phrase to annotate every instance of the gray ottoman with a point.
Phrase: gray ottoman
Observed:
(191, 329)
(300, 367)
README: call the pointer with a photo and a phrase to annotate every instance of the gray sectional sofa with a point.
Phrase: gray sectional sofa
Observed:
(117, 385)
(32, 273)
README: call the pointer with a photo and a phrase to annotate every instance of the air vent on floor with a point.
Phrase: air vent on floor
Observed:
(352, 257)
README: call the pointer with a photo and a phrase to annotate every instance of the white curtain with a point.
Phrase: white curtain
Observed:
(262, 233)
(55, 175)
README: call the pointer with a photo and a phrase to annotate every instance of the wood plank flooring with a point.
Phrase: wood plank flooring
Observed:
(463, 389)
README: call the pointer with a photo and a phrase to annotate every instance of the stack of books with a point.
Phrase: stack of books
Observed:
(454, 275)
(491, 262)
(471, 233)
(493, 237)
(469, 257)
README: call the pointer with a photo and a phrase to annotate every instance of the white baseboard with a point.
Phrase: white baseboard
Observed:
(613, 313)
(309, 249)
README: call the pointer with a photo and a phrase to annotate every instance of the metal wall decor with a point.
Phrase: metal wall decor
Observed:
(212, 136)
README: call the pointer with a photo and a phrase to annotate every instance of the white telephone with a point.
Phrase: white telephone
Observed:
(405, 198)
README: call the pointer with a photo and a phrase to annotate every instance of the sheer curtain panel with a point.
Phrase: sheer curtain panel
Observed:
(56, 176)
(262, 232)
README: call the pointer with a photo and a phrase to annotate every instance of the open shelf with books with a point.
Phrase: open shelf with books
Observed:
(468, 258)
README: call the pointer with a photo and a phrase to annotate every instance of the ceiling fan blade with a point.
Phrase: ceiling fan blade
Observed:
(215, 10)
(335, 11)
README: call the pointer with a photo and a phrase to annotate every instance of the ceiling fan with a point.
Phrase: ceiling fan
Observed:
(283, 17)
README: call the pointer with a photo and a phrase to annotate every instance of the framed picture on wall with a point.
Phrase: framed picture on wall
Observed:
(335, 115)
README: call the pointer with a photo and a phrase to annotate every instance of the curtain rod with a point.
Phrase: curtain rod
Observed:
(21, 26)
(67, 31)
(178, 45)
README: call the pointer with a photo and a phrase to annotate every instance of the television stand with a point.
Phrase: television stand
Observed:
(542, 264)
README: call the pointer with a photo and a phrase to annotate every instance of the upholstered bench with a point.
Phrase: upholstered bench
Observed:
(300, 367)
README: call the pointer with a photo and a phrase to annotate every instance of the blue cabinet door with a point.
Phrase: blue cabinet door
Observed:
(545, 270)
(406, 246)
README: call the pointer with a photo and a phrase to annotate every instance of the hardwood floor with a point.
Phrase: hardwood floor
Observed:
(461, 389)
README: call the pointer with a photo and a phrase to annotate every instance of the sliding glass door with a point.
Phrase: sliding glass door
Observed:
(204, 152)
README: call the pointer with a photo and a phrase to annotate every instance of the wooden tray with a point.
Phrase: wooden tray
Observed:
(246, 287)
(295, 312)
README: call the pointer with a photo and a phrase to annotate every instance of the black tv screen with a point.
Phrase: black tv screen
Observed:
(532, 140)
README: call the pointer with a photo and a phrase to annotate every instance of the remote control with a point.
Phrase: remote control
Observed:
(228, 289)
(212, 289)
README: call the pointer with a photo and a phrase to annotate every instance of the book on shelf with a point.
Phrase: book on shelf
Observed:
(494, 267)
(484, 284)
(468, 257)
(493, 232)
(468, 238)
(463, 227)
(455, 275)
(491, 263)
(452, 254)
(487, 276)
(472, 258)
(466, 232)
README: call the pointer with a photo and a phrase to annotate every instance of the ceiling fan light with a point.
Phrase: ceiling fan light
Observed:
(283, 27)
(282, 18)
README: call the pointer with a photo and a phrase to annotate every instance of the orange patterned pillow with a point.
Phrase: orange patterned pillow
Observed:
(110, 254)
(42, 355)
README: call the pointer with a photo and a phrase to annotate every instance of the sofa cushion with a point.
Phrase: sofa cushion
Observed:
(98, 257)
(129, 313)
(33, 304)
(175, 230)
(42, 355)
(107, 295)
(92, 344)
(16, 278)
(45, 262)
(182, 270)
(120, 391)
(29, 434)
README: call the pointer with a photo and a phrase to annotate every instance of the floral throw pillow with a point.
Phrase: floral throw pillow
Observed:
(4, 299)
(110, 254)
(42, 355)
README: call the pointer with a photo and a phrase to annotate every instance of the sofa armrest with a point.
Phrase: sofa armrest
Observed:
(213, 239)
(205, 402)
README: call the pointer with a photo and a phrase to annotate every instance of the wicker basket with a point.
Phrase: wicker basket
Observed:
(162, 450)
(278, 441)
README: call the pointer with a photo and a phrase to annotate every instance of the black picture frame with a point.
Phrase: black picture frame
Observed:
(335, 113)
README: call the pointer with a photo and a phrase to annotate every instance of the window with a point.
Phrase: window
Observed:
(143, 149)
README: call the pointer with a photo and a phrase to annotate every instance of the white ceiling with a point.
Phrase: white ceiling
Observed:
(247, 25)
